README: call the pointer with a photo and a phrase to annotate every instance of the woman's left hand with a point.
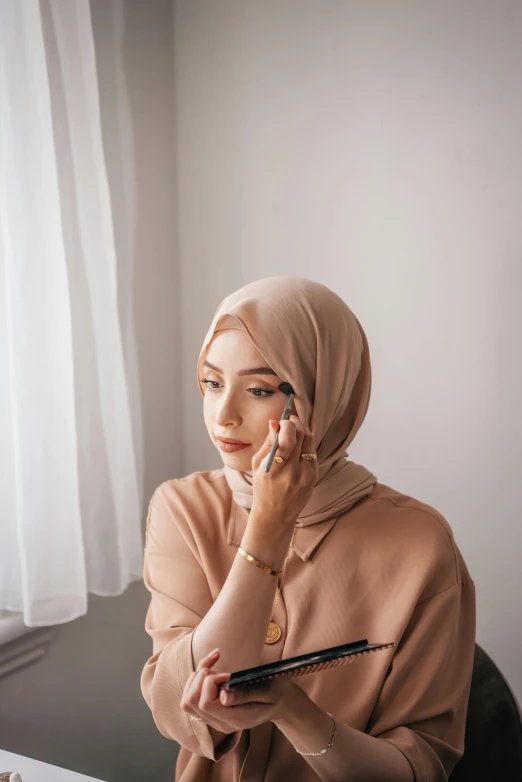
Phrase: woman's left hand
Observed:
(247, 708)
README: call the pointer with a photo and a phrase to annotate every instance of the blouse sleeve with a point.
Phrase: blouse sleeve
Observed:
(423, 703)
(180, 598)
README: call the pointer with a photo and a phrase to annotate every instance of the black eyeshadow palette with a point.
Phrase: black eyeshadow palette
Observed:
(303, 664)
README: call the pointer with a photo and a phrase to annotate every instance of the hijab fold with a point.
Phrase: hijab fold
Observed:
(311, 339)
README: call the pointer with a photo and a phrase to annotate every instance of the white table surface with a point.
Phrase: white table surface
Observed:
(35, 771)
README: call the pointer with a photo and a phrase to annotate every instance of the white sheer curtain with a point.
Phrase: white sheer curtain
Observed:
(70, 433)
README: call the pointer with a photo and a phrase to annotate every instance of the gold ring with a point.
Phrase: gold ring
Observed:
(195, 719)
(311, 457)
(278, 459)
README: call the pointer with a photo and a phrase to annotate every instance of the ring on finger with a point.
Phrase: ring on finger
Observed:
(311, 457)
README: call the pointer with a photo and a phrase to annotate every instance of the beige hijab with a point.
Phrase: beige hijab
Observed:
(309, 336)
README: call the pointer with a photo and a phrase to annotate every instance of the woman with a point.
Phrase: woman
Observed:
(359, 560)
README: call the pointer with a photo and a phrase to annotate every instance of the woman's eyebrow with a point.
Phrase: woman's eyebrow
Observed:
(255, 371)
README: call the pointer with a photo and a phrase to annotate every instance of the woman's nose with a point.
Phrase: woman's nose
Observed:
(227, 413)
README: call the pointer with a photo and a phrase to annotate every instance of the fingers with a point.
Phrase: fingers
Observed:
(308, 444)
(286, 441)
(202, 690)
(303, 442)
(210, 689)
(294, 439)
(237, 697)
(192, 690)
(290, 435)
(209, 660)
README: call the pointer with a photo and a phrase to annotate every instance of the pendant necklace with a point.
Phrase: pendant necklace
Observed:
(273, 633)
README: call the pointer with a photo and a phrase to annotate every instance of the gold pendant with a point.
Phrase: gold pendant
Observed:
(273, 633)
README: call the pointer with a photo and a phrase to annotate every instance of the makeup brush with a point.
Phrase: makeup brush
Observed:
(287, 389)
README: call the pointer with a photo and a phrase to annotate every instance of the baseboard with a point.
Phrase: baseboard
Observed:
(24, 651)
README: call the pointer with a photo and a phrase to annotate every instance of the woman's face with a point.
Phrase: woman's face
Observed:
(239, 406)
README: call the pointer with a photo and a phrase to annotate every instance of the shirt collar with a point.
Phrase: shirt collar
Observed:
(306, 539)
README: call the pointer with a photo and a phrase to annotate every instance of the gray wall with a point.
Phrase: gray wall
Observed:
(374, 146)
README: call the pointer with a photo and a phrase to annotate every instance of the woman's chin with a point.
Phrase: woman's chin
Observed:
(237, 461)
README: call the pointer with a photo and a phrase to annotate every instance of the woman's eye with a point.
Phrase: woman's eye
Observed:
(263, 391)
(257, 393)
(211, 387)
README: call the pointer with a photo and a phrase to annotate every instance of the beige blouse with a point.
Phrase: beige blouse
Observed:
(387, 570)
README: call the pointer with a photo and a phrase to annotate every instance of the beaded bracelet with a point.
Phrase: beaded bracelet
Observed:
(330, 745)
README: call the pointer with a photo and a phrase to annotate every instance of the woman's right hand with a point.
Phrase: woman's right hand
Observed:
(282, 493)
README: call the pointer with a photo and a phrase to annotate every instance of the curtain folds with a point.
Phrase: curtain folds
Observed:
(71, 471)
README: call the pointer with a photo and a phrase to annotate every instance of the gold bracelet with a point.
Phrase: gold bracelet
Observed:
(258, 563)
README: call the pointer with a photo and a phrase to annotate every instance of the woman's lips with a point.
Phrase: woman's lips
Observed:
(231, 447)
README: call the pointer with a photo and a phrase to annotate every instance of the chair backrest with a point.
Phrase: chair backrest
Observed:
(493, 742)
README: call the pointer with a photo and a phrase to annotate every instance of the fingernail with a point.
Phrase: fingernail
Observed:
(213, 652)
(223, 697)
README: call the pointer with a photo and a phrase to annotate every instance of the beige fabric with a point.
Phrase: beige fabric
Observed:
(309, 336)
(366, 562)
(387, 570)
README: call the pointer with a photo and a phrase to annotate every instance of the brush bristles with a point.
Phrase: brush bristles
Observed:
(346, 660)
